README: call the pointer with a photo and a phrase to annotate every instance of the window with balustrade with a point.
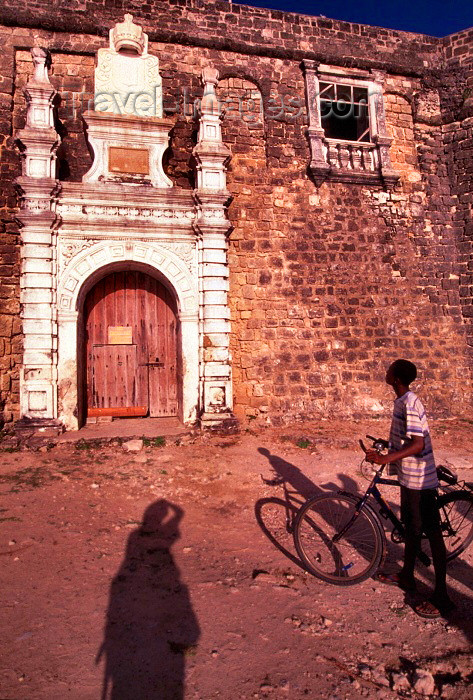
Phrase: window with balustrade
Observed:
(347, 126)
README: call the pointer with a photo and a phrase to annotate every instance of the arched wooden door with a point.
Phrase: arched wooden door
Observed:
(131, 347)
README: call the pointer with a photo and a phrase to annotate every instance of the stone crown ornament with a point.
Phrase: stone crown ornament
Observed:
(127, 79)
(128, 35)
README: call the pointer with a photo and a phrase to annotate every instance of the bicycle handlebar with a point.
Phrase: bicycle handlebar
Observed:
(378, 444)
(379, 441)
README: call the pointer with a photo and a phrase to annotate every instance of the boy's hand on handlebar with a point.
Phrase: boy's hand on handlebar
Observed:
(375, 458)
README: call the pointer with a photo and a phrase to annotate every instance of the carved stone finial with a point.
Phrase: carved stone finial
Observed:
(209, 103)
(41, 63)
(39, 141)
(211, 154)
(128, 35)
(209, 76)
(39, 95)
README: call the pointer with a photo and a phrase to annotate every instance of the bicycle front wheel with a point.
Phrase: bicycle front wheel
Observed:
(456, 515)
(352, 558)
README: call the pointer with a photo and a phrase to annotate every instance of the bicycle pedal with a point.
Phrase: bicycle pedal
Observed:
(396, 537)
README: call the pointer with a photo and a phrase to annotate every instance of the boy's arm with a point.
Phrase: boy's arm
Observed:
(415, 446)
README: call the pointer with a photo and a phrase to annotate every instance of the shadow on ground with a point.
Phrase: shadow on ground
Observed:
(150, 625)
(276, 517)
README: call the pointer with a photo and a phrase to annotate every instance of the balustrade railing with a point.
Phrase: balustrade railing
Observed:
(350, 155)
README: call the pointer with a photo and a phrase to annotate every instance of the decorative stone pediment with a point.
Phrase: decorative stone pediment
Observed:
(127, 149)
(127, 79)
(127, 131)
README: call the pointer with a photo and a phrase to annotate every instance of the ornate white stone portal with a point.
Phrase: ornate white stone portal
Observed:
(125, 215)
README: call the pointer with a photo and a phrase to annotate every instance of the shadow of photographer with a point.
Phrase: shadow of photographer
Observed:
(150, 623)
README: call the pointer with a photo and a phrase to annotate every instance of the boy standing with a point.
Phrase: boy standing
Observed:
(411, 452)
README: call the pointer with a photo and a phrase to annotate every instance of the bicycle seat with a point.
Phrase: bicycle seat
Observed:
(444, 474)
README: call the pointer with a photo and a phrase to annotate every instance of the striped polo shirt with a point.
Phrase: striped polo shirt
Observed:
(409, 420)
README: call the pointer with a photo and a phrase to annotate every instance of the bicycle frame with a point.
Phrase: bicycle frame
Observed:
(385, 511)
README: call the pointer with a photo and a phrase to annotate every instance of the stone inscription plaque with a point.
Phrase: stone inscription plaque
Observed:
(129, 161)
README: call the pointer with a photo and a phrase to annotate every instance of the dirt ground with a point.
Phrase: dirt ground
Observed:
(168, 573)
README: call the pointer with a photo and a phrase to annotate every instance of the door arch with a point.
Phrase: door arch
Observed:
(131, 347)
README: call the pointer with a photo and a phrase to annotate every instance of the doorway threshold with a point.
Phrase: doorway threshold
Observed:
(127, 428)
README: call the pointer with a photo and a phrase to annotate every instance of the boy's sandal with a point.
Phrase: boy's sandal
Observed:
(394, 580)
(432, 609)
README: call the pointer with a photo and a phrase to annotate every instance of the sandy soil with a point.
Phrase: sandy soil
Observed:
(168, 573)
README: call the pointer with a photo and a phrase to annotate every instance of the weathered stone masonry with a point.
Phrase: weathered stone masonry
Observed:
(457, 133)
(328, 281)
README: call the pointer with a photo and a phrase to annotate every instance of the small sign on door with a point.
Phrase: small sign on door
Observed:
(120, 335)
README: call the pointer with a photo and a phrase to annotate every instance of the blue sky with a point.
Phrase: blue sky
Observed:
(434, 17)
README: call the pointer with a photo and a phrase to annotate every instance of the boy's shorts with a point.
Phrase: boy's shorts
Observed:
(419, 510)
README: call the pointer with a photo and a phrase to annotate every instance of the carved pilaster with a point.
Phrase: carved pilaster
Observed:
(38, 190)
(380, 138)
(389, 175)
(212, 198)
(318, 166)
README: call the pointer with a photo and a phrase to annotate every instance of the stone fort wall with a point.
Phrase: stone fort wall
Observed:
(457, 133)
(329, 283)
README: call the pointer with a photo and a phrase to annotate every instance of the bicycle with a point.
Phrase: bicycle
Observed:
(340, 538)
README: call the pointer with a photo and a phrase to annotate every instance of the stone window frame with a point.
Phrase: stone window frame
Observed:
(348, 161)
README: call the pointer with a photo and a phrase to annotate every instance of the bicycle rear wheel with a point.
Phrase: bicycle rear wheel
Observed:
(354, 557)
(456, 515)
